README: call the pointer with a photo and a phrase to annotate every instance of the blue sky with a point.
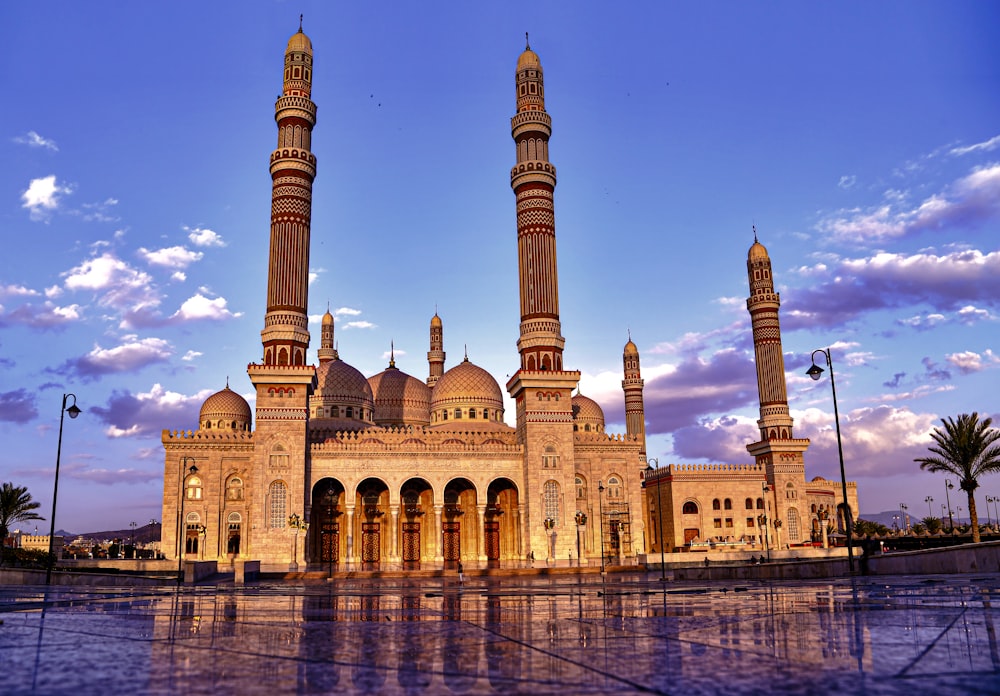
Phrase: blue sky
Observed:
(862, 139)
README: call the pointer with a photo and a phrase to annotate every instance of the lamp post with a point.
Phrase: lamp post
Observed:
(152, 530)
(929, 500)
(600, 526)
(181, 526)
(989, 520)
(992, 499)
(902, 517)
(133, 526)
(959, 508)
(815, 372)
(581, 519)
(297, 523)
(73, 412)
(659, 514)
(951, 520)
(762, 524)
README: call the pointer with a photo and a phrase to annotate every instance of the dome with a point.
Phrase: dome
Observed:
(400, 399)
(436, 320)
(299, 42)
(327, 318)
(467, 397)
(757, 251)
(630, 349)
(528, 59)
(341, 384)
(226, 410)
(586, 412)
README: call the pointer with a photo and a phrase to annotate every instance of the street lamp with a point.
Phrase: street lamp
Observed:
(133, 526)
(659, 514)
(600, 527)
(762, 524)
(929, 500)
(181, 526)
(73, 412)
(902, 517)
(815, 372)
(947, 487)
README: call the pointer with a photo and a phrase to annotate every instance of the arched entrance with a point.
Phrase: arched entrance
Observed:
(417, 499)
(459, 500)
(371, 502)
(326, 545)
(501, 523)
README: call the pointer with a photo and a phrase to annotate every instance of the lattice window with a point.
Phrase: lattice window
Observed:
(278, 494)
(793, 525)
(550, 493)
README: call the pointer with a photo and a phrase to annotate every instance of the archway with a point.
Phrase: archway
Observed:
(371, 501)
(501, 523)
(416, 537)
(457, 541)
(326, 533)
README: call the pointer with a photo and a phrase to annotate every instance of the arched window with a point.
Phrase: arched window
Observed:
(277, 493)
(614, 487)
(458, 413)
(234, 489)
(234, 532)
(550, 495)
(749, 503)
(793, 525)
(727, 504)
(690, 508)
(472, 413)
(192, 528)
(760, 503)
(193, 488)
(790, 493)
(716, 504)
(550, 460)
(335, 412)
(350, 412)
(581, 488)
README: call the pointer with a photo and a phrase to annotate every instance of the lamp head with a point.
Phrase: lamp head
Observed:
(192, 469)
(815, 372)
(74, 411)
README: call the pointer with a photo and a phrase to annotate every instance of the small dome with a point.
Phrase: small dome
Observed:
(299, 42)
(757, 251)
(400, 399)
(339, 382)
(436, 320)
(327, 318)
(630, 348)
(226, 410)
(528, 59)
(467, 398)
(586, 412)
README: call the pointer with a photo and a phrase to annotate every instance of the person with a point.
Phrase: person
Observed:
(706, 561)
(461, 573)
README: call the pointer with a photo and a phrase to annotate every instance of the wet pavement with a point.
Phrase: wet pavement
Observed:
(537, 635)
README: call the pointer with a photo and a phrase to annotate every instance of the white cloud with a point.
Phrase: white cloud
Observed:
(314, 274)
(359, 325)
(146, 414)
(922, 322)
(33, 139)
(122, 287)
(54, 291)
(178, 276)
(204, 237)
(131, 355)
(42, 197)
(16, 291)
(968, 362)
(45, 316)
(985, 146)
(191, 355)
(346, 311)
(170, 257)
(970, 315)
(200, 307)
(847, 181)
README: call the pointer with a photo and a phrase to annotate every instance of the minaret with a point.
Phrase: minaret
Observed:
(284, 382)
(293, 168)
(327, 348)
(778, 451)
(635, 413)
(542, 390)
(435, 356)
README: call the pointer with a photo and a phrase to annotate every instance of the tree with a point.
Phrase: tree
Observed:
(864, 527)
(16, 505)
(933, 524)
(967, 449)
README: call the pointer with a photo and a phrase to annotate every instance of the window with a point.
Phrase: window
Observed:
(234, 489)
(194, 488)
(335, 412)
(472, 413)
(233, 540)
(550, 460)
(458, 413)
(760, 503)
(793, 525)
(717, 523)
(716, 504)
(749, 503)
(350, 412)
(277, 493)
(614, 487)
(690, 508)
(750, 522)
(729, 523)
(728, 504)
(550, 495)
(581, 488)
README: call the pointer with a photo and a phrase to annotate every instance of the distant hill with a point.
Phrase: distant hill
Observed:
(143, 535)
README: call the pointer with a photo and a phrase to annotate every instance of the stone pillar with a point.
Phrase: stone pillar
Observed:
(438, 534)
(481, 532)
(349, 557)
(393, 536)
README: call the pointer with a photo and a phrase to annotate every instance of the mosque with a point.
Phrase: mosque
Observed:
(341, 472)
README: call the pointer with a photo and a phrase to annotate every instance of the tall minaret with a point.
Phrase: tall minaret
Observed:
(435, 356)
(778, 451)
(327, 348)
(284, 382)
(293, 168)
(635, 413)
(542, 390)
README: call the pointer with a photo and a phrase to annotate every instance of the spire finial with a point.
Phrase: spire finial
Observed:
(466, 347)
(392, 354)
(300, 24)
(629, 333)
(527, 44)
(227, 381)
(755, 233)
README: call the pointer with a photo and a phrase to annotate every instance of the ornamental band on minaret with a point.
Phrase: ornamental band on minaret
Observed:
(293, 168)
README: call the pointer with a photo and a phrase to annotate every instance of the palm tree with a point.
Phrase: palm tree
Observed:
(16, 505)
(967, 448)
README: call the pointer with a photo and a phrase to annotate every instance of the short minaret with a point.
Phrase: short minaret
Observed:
(327, 348)
(541, 388)
(635, 412)
(293, 168)
(777, 451)
(436, 355)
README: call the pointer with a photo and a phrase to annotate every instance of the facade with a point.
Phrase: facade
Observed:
(337, 471)
(764, 505)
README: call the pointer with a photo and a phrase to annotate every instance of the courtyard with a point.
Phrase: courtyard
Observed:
(570, 634)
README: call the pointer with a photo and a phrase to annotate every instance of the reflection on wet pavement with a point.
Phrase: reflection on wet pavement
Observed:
(567, 635)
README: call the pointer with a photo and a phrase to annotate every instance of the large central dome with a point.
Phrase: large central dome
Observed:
(342, 392)
(466, 396)
(399, 398)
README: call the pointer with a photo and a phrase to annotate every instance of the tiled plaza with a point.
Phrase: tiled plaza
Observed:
(538, 635)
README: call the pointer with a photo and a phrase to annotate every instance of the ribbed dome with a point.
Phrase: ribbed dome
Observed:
(338, 381)
(299, 42)
(467, 382)
(757, 251)
(528, 59)
(400, 399)
(586, 411)
(225, 409)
